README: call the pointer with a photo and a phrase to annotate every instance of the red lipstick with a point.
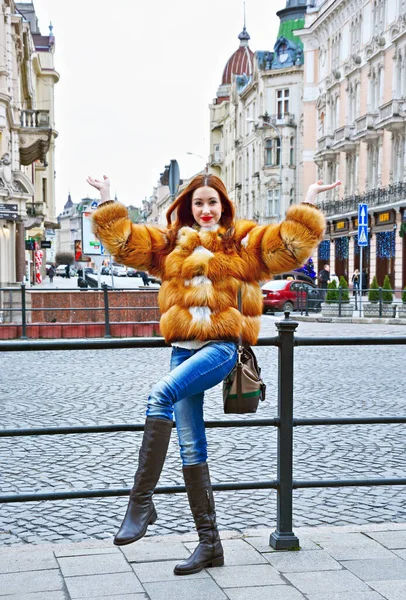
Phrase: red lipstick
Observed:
(206, 218)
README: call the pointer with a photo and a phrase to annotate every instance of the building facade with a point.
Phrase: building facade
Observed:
(27, 138)
(256, 122)
(355, 129)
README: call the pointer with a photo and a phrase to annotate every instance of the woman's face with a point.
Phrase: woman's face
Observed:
(206, 206)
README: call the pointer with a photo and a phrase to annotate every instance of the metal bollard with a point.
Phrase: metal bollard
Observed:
(23, 313)
(106, 311)
(283, 537)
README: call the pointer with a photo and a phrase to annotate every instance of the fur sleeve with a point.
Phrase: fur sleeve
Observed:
(132, 245)
(285, 246)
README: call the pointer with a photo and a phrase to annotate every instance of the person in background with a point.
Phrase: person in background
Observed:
(356, 280)
(51, 273)
(203, 257)
(144, 277)
(323, 279)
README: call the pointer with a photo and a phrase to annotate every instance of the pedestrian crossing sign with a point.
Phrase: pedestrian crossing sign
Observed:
(363, 225)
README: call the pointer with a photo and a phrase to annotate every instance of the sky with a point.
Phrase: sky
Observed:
(136, 81)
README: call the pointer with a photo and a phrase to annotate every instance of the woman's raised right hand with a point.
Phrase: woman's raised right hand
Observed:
(103, 185)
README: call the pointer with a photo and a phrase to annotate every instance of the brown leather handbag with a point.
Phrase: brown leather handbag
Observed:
(243, 388)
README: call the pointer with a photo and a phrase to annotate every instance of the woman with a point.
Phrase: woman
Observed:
(202, 257)
(355, 281)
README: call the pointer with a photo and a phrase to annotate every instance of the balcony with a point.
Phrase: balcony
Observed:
(365, 127)
(216, 159)
(343, 139)
(325, 149)
(392, 115)
(390, 194)
(36, 209)
(34, 135)
(276, 121)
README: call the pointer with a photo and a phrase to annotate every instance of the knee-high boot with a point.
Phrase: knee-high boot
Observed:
(141, 510)
(209, 552)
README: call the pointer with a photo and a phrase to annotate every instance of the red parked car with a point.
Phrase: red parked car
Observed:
(286, 295)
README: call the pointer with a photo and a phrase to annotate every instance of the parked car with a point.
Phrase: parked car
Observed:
(289, 295)
(105, 271)
(61, 270)
(119, 271)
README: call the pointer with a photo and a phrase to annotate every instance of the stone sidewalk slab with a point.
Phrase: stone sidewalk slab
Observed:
(335, 563)
(97, 586)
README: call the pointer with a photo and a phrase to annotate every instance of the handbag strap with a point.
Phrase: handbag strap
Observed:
(239, 350)
(239, 304)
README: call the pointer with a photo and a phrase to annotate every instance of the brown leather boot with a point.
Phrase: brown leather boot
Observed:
(209, 552)
(141, 510)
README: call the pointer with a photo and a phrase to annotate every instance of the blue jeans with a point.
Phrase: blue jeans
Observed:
(181, 392)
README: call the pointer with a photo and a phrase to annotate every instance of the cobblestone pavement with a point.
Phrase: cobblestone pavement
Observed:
(110, 386)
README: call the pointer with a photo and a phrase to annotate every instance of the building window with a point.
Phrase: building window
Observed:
(44, 190)
(372, 153)
(375, 89)
(292, 151)
(398, 156)
(253, 161)
(379, 16)
(352, 173)
(282, 103)
(273, 202)
(268, 153)
(291, 196)
(356, 29)
(400, 74)
(336, 51)
(353, 102)
(278, 150)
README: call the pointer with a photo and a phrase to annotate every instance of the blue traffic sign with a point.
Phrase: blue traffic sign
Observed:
(363, 225)
(94, 205)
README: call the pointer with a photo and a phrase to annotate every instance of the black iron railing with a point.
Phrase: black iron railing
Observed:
(395, 192)
(283, 537)
(23, 310)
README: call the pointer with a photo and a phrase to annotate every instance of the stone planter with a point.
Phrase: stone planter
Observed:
(331, 309)
(402, 311)
(371, 310)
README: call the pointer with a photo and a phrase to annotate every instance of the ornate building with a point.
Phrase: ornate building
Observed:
(256, 120)
(27, 136)
(355, 116)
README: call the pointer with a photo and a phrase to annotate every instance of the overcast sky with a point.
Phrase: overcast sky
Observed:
(136, 81)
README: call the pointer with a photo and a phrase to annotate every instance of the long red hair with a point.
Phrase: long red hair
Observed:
(183, 203)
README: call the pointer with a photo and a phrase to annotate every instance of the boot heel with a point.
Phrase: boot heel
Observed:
(153, 518)
(216, 562)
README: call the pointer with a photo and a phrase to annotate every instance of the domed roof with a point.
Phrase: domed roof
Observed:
(241, 61)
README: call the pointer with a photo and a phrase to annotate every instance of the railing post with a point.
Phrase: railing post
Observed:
(380, 301)
(23, 313)
(340, 295)
(283, 537)
(307, 302)
(106, 311)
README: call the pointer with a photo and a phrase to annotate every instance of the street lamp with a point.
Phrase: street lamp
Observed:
(202, 157)
(279, 134)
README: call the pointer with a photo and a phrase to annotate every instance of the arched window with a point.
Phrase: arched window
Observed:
(292, 151)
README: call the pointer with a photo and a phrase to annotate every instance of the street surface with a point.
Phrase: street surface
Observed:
(111, 386)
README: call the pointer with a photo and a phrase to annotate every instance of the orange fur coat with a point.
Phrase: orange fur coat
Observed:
(202, 271)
